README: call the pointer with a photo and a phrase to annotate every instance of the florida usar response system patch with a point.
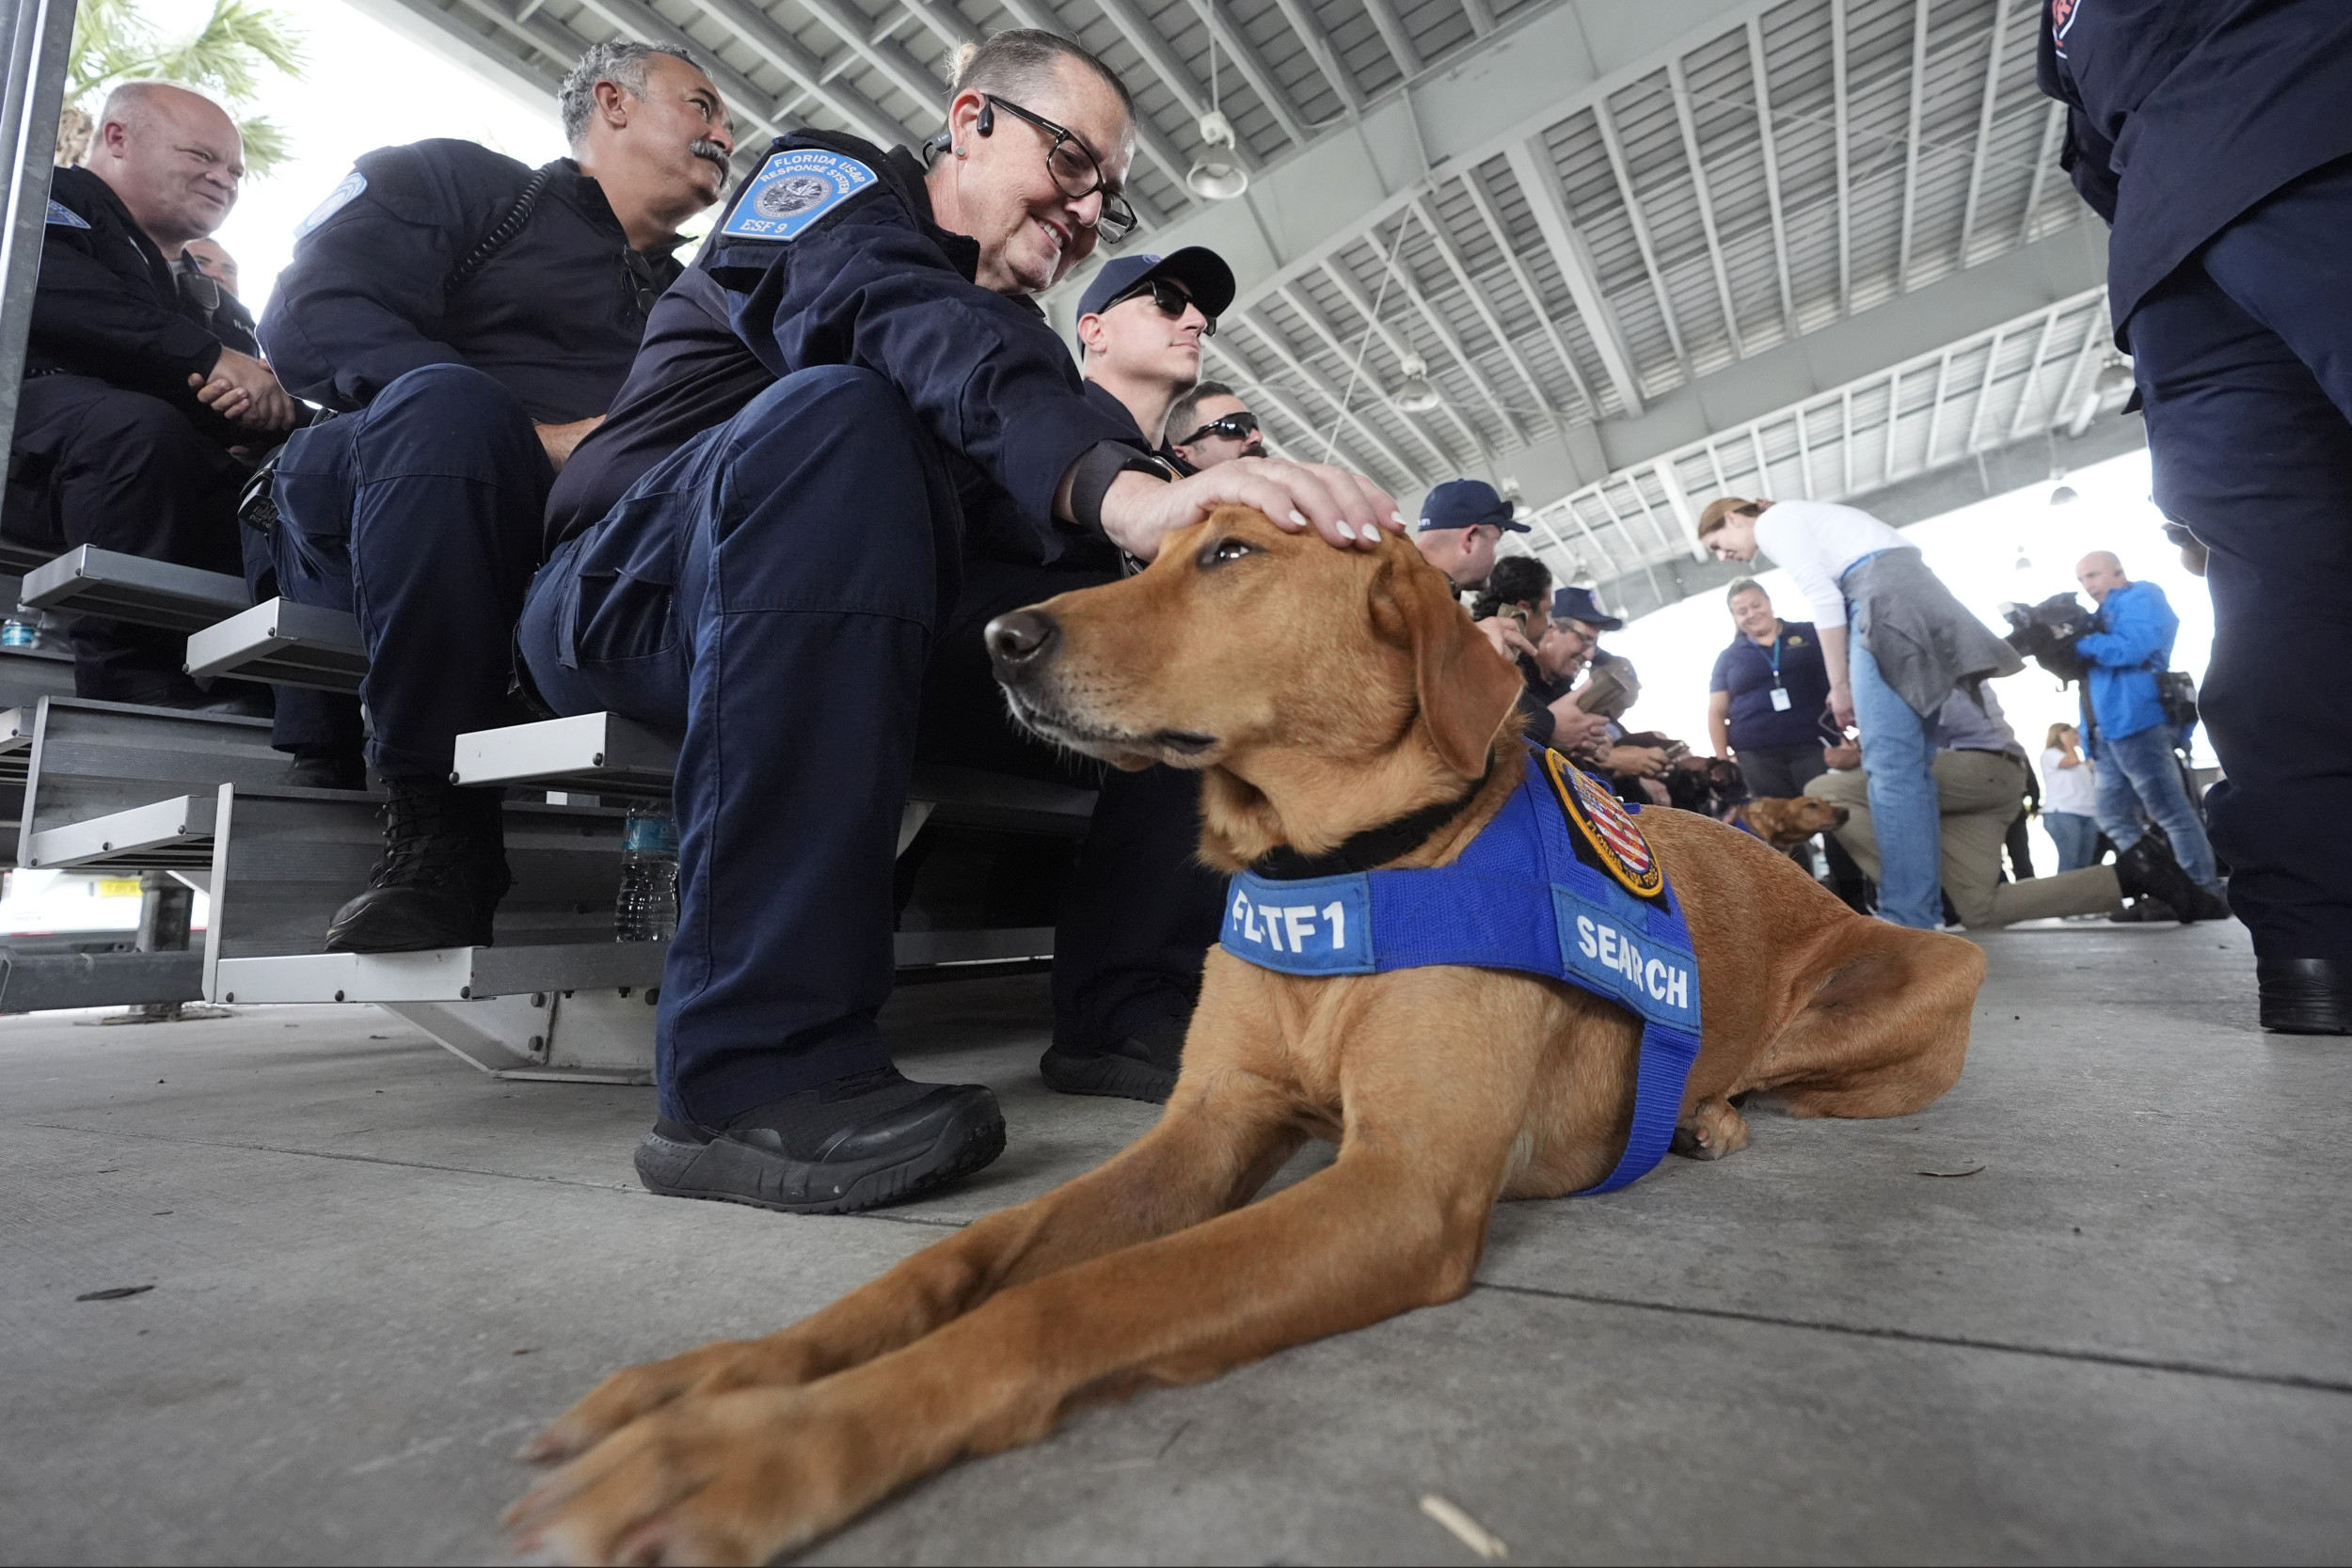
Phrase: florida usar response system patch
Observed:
(792, 190)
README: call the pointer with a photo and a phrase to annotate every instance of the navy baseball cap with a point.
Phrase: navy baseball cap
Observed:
(1579, 604)
(1466, 503)
(1201, 270)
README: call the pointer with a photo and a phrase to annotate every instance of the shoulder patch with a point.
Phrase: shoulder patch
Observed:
(337, 200)
(791, 191)
(65, 216)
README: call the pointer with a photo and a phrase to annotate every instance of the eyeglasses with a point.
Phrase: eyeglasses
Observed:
(1233, 427)
(1567, 629)
(1074, 170)
(1171, 300)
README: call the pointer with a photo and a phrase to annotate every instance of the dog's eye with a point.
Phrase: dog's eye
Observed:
(1222, 550)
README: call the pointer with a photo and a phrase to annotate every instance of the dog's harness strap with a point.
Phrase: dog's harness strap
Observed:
(1546, 888)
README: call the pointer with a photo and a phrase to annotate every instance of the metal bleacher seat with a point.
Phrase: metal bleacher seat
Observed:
(92, 582)
(284, 643)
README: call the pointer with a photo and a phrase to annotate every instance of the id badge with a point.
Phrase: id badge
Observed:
(1780, 698)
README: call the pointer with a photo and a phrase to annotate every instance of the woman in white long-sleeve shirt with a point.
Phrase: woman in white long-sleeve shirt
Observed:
(1911, 645)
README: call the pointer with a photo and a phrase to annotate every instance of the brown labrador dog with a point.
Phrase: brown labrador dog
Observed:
(1322, 692)
(1786, 824)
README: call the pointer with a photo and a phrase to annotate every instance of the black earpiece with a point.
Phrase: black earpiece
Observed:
(987, 124)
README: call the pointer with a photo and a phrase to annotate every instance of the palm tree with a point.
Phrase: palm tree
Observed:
(240, 45)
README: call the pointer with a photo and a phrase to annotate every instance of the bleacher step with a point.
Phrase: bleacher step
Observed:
(173, 832)
(285, 642)
(590, 753)
(92, 582)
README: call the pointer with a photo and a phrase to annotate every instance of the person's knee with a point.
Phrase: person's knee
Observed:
(859, 422)
(450, 413)
(137, 430)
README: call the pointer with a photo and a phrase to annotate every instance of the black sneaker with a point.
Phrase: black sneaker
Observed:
(859, 1142)
(2305, 996)
(441, 878)
(1142, 1064)
(2148, 872)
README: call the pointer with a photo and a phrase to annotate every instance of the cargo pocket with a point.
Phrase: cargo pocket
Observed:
(625, 608)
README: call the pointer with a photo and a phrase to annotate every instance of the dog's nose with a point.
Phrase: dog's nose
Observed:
(1018, 639)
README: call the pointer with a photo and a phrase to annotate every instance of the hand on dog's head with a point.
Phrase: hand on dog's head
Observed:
(1285, 667)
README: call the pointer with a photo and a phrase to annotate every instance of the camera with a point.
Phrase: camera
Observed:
(2047, 632)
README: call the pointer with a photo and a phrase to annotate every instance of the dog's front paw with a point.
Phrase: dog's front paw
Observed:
(732, 1477)
(717, 1368)
(1711, 1131)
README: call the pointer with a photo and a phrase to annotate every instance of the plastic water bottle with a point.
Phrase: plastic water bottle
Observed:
(19, 634)
(646, 910)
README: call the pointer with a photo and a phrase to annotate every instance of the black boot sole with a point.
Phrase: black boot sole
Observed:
(1106, 1073)
(722, 1171)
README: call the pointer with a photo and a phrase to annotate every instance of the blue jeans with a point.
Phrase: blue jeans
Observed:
(2136, 771)
(2075, 835)
(1897, 745)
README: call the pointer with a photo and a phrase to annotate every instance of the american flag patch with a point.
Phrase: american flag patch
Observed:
(1605, 827)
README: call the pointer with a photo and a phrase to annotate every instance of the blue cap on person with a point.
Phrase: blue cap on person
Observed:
(1582, 604)
(1201, 270)
(1466, 503)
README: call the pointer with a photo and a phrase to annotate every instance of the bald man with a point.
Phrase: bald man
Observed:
(2129, 737)
(141, 374)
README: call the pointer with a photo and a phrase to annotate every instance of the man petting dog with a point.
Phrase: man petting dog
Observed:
(1452, 955)
(853, 441)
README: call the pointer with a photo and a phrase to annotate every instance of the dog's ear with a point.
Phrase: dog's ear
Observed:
(1463, 688)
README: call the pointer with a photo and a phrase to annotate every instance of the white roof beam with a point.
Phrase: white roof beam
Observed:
(1031, 14)
(1252, 65)
(1452, 259)
(1265, 391)
(1454, 346)
(1342, 403)
(1982, 156)
(1607, 125)
(1526, 280)
(865, 117)
(1482, 16)
(945, 22)
(1682, 91)
(1768, 145)
(2060, 410)
(1161, 58)
(2033, 375)
(850, 26)
(1893, 423)
(1364, 304)
(1679, 502)
(1325, 329)
(1539, 182)
(2053, 126)
(1911, 142)
(1984, 391)
(1845, 199)
(1392, 33)
(1318, 46)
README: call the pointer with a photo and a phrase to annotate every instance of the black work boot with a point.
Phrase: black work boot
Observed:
(327, 767)
(2147, 868)
(1140, 1062)
(441, 878)
(859, 1142)
(2305, 996)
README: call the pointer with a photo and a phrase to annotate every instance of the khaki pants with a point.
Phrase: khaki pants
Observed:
(1978, 792)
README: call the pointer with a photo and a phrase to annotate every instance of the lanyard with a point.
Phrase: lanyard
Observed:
(1776, 636)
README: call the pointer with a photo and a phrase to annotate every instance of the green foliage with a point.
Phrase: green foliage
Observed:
(241, 45)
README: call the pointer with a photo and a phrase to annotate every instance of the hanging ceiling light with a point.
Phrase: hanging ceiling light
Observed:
(1508, 488)
(2025, 561)
(1585, 577)
(2062, 494)
(1414, 395)
(1217, 174)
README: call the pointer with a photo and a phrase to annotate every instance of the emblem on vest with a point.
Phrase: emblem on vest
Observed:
(792, 190)
(1604, 830)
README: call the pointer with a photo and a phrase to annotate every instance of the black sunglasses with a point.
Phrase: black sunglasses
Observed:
(1233, 427)
(1074, 169)
(1171, 301)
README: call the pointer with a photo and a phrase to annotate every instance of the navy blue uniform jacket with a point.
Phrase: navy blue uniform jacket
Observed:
(554, 317)
(874, 282)
(109, 306)
(2185, 113)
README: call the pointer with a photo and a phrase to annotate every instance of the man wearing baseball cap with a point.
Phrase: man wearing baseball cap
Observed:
(1140, 323)
(1461, 523)
(1129, 947)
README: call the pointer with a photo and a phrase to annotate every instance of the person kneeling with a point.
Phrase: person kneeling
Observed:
(1980, 776)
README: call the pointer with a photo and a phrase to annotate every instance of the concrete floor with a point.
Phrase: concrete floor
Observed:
(2128, 1337)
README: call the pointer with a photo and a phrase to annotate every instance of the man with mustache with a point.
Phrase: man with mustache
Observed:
(1215, 427)
(471, 320)
(139, 375)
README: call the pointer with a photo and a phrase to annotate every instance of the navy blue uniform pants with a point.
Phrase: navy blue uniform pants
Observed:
(792, 591)
(2244, 358)
(94, 464)
(421, 515)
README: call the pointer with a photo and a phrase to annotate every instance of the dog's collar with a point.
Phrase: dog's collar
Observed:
(1374, 847)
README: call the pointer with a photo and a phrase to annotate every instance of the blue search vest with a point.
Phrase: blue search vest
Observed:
(1560, 883)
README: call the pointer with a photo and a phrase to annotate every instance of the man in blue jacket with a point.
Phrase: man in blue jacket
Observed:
(2131, 737)
(2211, 134)
(471, 320)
